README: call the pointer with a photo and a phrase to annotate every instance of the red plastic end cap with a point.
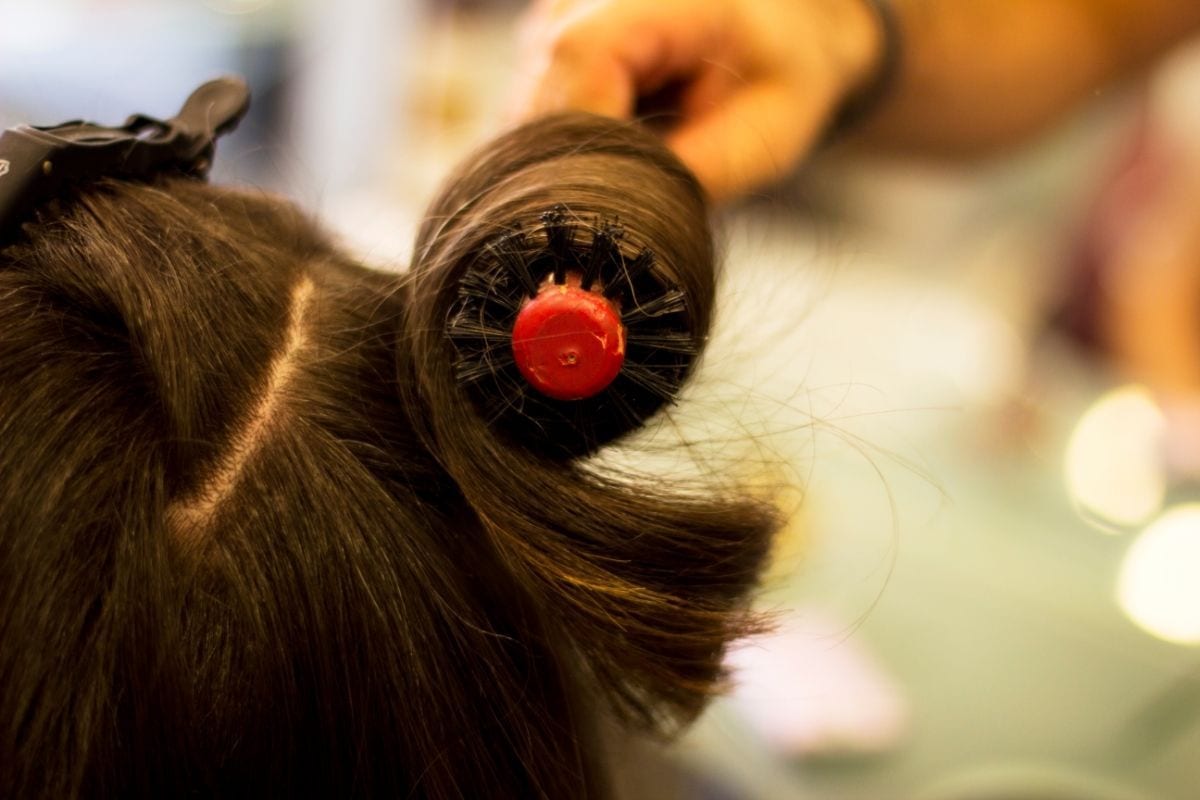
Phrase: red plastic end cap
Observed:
(568, 342)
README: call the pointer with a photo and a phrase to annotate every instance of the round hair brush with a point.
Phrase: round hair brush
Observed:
(567, 333)
(573, 282)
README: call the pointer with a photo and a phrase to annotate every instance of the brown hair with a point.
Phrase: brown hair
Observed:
(257, 538)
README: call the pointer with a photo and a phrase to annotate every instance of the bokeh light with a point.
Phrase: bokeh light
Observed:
(1159, 584)
(1114, 466)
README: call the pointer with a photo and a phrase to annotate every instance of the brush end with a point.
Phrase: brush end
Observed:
(568, 342)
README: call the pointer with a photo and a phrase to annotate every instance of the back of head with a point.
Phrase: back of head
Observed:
(257, 538)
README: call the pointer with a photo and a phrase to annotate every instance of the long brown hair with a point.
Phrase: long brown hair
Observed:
(256, 538)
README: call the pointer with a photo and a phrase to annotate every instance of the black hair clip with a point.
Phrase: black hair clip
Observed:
(37, 164)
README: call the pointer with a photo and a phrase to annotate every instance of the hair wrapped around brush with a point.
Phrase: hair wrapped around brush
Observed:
(275, 524)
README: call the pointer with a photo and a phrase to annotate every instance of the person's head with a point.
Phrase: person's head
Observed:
(257, 538)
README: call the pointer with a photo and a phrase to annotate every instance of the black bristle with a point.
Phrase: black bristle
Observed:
(640, 266)
(512, 268)
(650, 380)
(604, 256)
(493, 286)
(509, 251)
(667, 341)
(628, 277)
(473, 330)
(671, 301)
(555, 216)
(559, 242)
(488, 363)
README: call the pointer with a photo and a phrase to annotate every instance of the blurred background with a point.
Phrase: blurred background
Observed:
(971, 376)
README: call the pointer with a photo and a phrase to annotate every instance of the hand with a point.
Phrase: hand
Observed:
(758, 79)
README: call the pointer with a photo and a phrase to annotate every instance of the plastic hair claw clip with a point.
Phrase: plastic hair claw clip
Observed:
(38, 164)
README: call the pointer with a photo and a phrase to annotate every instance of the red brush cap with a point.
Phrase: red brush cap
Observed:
(569, 342)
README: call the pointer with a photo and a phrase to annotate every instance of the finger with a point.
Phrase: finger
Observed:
(581, 79)
(752, 138)
(601, 56)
